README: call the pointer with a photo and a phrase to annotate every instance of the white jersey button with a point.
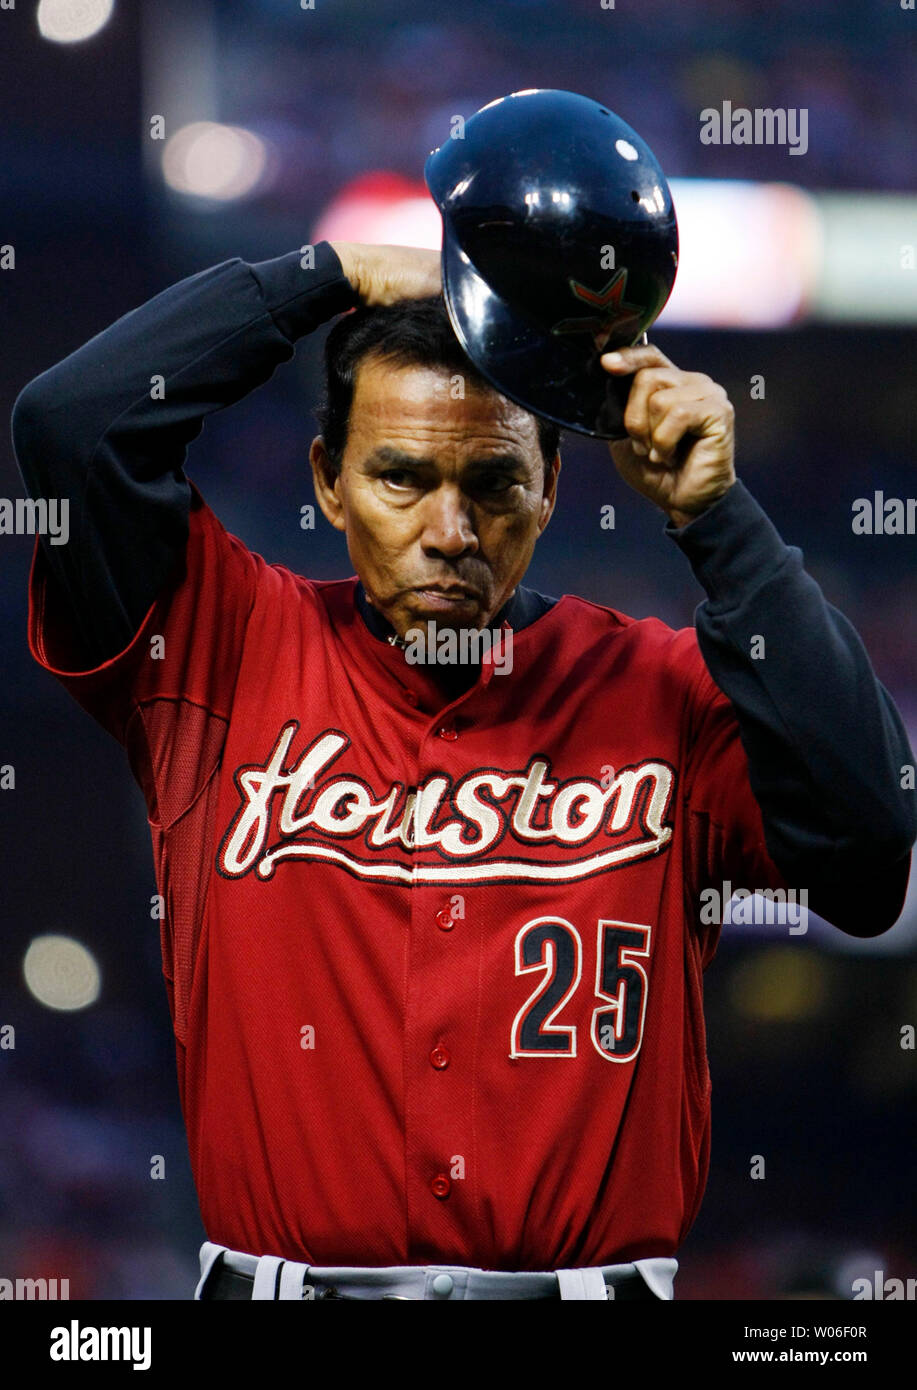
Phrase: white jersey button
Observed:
(443, 1285)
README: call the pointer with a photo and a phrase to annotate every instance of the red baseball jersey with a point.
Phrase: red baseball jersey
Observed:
(434, 965)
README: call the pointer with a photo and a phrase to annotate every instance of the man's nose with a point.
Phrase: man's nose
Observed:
(448, 522)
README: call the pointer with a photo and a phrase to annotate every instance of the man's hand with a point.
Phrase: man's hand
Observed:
(385, 274)
(680, 450)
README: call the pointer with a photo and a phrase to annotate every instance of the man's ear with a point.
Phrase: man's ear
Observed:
(327, 483)
(549, 495)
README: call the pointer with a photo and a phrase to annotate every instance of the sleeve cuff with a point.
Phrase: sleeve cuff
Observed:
(299, 299)
(732, 547)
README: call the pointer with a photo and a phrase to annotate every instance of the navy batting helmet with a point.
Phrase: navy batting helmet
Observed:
(559, 243)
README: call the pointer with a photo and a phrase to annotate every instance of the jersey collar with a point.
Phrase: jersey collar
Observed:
(521, 609)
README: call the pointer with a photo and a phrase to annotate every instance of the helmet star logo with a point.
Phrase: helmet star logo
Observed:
(613, 312)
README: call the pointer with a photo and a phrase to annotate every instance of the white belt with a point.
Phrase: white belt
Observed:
(442, 1282)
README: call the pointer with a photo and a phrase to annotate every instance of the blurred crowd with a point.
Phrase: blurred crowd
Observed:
(658, 64)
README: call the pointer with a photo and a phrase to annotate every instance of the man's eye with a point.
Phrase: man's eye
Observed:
(491, 484)
(496, 482)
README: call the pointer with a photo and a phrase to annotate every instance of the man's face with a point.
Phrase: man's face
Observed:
(441, 500)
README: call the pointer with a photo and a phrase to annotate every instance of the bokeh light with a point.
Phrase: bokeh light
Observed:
(209, 160)
(61, 973)
(72, 21)
(779, 985)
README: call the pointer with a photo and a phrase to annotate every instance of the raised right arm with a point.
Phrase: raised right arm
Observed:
(101, 430)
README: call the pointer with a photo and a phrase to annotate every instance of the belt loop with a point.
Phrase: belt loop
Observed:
(266, 1277)
(582, 1283)
(659, 1273)
(210, 1253)
(293, 1283)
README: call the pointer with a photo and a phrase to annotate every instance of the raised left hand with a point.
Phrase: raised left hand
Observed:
(680, 448)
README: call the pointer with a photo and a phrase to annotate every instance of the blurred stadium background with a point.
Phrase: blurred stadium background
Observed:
(284, 124)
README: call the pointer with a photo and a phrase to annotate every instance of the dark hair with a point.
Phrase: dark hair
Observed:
(410, 333)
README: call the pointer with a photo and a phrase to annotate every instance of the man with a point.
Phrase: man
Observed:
(433, 936)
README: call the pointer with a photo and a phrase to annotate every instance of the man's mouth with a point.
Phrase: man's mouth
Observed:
(446, 596)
